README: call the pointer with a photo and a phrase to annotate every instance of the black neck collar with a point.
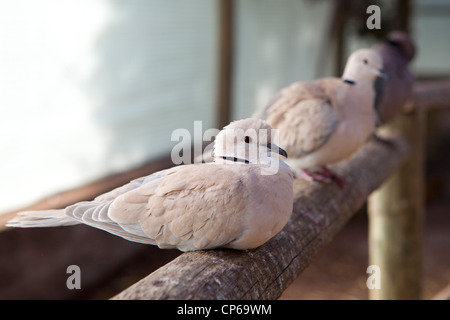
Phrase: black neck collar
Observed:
(235, 159)
(350, 82)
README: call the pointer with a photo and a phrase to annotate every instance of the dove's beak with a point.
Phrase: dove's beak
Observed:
(382, 73)
(274, 148)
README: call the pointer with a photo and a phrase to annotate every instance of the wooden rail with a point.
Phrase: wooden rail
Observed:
(432, 94)
(320, 212)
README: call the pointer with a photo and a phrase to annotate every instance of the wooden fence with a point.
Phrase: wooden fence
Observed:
(394, 171)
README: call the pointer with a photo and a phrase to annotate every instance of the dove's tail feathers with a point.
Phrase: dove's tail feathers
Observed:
(38, 219)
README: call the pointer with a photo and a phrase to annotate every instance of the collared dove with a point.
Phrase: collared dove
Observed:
(325, 121)
(235, 202)
(396, 51)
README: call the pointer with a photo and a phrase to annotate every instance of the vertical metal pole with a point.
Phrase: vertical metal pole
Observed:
(396, 212)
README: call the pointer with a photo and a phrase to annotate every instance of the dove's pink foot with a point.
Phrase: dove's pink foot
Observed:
(333, 176)
(315, 176)
(324, 175)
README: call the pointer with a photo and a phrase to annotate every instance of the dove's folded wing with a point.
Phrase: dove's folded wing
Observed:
(304, 115)
(110, 195)
(203, 209)
(95, 213)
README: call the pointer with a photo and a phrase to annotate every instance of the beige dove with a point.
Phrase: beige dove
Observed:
(325, 121)
(239, 201)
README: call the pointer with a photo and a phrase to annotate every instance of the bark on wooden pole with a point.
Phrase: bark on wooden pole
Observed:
(320, 212)
(396, 213)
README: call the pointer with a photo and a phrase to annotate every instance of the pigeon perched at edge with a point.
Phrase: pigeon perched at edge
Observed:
(238, 202)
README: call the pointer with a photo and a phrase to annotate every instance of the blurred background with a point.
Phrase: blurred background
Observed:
(90, 91)
(92, 88)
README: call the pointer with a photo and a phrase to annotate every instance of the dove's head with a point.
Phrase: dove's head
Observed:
(404, 42)
(364, 65)
(246, 141)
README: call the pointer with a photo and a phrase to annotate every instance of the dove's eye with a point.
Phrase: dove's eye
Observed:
(247, 139)
(365, 61)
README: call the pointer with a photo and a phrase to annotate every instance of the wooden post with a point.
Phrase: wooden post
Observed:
(396, 213)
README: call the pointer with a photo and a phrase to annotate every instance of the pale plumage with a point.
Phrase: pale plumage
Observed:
(228, 203)
(327, 120)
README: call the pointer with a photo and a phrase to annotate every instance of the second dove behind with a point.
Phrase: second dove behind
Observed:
(326, 120)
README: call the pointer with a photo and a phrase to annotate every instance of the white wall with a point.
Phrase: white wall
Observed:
(89, 88)
(277, 43)
(432, 32)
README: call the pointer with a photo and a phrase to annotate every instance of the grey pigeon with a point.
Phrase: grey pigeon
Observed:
(397, 51)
